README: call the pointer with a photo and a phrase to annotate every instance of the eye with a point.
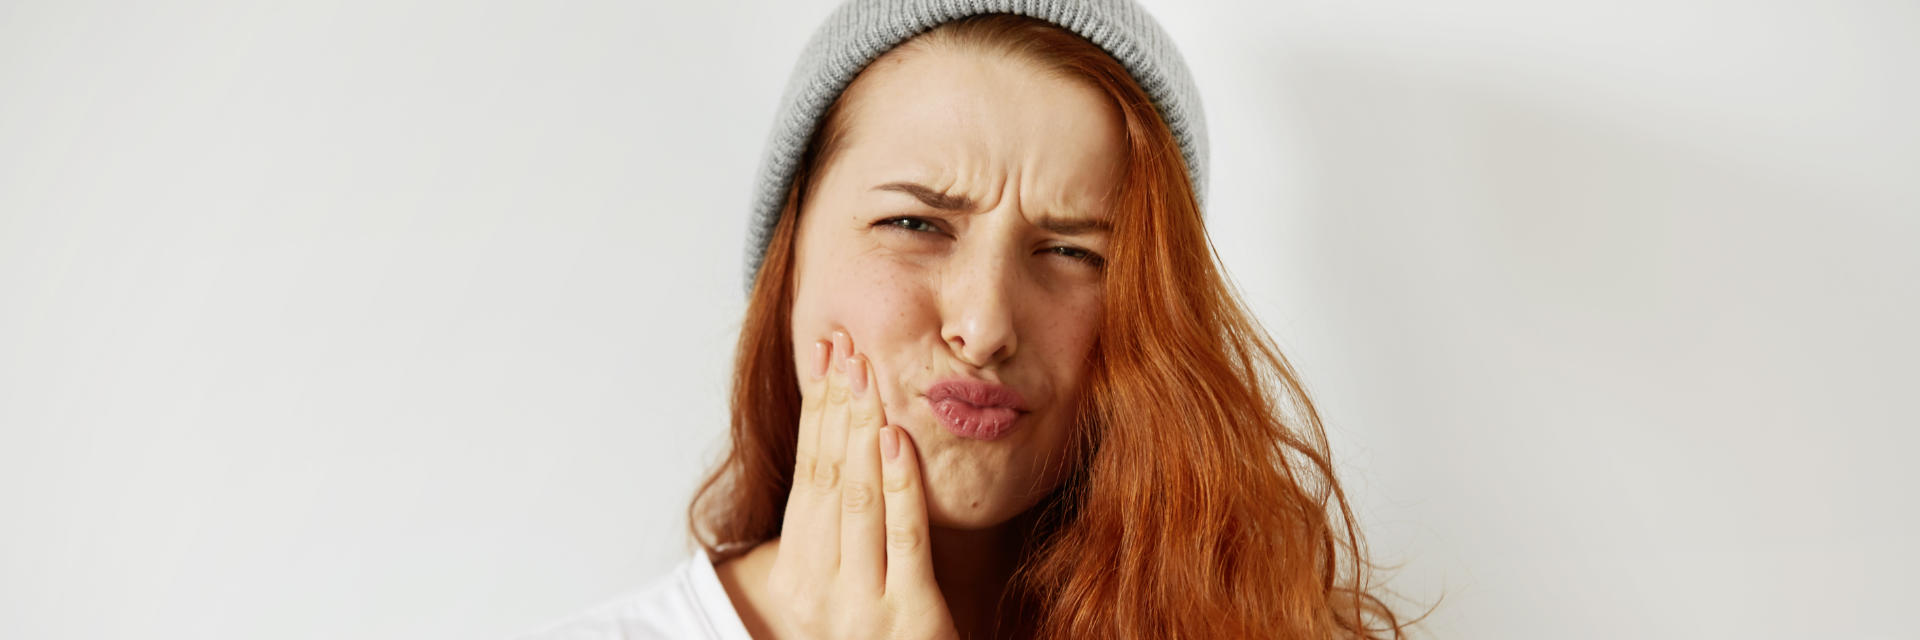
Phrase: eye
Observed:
(1075, 253)
(909, 223)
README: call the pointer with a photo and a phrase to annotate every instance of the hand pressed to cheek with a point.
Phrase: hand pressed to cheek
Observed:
(853, 556)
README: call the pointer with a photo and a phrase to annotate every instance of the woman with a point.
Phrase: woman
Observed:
(991, 382)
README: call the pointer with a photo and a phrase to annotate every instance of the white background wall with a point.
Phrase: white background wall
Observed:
(413, 319)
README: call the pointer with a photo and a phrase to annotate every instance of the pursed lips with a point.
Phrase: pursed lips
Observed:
(975, 409)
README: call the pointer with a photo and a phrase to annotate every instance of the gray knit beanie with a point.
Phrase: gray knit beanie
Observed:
(858, 31)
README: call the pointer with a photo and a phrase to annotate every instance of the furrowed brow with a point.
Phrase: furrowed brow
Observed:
(930, 197)
(1068, 226)
(1074, 226)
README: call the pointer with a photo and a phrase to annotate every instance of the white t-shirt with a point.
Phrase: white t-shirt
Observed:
(688, 602)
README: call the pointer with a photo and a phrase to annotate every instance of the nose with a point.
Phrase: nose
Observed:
(977, 312)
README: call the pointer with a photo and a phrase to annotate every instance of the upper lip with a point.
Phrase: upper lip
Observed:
(979, 393)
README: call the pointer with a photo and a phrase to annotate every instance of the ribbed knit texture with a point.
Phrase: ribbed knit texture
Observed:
(858, 31)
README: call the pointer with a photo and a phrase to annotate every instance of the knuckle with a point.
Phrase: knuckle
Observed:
(903, 538)
(898, 484)
(837, 394)
(826, 474)
(857, 497)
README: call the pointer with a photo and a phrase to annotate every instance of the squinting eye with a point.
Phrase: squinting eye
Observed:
(907, 223)
(1083, 255)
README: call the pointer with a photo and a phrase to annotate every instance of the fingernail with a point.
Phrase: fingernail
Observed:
(889, 442)
(841, 347)
(857, 377)
(821, 351)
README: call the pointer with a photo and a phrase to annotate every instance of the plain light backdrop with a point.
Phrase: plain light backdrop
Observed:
(413, 319)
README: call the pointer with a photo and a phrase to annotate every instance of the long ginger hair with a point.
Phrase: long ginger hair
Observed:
(1201, 500)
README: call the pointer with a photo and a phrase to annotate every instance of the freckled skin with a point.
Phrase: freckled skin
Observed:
(987, 294)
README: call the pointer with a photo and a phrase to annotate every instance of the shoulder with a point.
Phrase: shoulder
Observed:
(685, 602)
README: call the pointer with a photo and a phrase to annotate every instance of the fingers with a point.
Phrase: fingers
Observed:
(833, 420)
(806, 441)
(798, 526)
(909, 569)
(862, 524)
(822, 522)
(854, 553)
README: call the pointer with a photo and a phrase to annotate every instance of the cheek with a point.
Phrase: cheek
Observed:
(1066, 334)
(872, 295)
(886, 308)
(884, 304)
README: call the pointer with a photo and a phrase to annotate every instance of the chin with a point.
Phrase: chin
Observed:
(973, 485)
(969, 517)
(969, 507)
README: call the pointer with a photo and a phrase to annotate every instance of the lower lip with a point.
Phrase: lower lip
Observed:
(976, 423)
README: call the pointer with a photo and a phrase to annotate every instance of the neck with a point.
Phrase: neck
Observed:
(973, 569)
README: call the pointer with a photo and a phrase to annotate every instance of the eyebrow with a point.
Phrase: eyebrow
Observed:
(945, 202)
(932, 198)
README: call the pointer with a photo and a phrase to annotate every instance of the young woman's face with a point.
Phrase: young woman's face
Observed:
(957, 237)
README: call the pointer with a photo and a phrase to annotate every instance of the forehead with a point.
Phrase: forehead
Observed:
(976, 123)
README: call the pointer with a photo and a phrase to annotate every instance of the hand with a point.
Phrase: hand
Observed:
(854, 559)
